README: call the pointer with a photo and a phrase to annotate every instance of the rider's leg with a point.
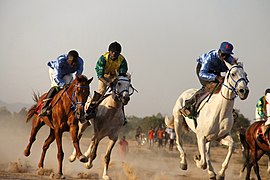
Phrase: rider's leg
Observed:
(265, 128)
(91, 111)
(45, 109)
(188, 109)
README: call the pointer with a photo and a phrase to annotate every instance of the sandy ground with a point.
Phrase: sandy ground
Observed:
(141, 163)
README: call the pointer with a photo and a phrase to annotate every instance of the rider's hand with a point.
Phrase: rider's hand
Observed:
(220, 79)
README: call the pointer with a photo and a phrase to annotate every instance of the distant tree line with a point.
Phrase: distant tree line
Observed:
(146, 123)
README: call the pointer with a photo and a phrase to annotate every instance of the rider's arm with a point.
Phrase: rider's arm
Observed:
(206, 61)
(259, 107)
(80, 68)
(123, 67)
(100, 66)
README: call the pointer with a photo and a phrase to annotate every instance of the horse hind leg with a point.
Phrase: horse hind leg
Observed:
(36, 125)
(46, 146)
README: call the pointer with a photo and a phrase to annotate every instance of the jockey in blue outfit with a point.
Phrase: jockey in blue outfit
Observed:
(209, 68)
(61, 74)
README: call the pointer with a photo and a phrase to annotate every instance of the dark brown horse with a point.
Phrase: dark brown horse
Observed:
(67, 109)
(255, 145)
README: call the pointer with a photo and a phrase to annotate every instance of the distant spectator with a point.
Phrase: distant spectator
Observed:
(151, 134)
(160, 133)
(123, 144)
(172, 139)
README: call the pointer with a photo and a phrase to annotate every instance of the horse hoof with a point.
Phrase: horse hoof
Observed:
(26, 153)
(106, 177)
(88, 166)
(220, 177)
(213, 177)
(71, 158)
(83, 159)
(183, 166)
(59, 176)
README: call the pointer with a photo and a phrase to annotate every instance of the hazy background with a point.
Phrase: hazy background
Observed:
(160, 40)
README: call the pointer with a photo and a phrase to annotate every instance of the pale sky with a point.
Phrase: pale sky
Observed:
(161, 39)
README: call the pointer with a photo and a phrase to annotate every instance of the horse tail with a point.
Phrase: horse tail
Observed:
(245, 146)
(32, 110)
(169, 122)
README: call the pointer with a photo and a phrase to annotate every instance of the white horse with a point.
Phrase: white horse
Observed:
(109, 119)
(214, 120)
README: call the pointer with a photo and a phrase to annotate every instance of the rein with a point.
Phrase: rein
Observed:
(74, 104)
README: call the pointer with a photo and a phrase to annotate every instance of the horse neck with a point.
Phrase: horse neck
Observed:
(113, 101)
(226, 97)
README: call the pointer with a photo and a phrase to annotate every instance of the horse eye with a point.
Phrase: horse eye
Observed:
(119, 84)
(233, 74)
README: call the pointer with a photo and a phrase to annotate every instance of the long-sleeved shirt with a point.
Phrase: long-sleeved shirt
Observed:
(261, 107)
(62, 68)
(107, 66)
(211, 65)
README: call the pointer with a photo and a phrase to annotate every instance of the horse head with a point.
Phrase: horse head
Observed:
(122, 88)
(80, 93)
(236, 80)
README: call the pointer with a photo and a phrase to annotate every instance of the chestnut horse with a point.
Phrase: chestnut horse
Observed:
(108, 121)
(67, 108)
(254, 148)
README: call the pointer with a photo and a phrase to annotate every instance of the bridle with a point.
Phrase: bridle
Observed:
(74, 99)
(119, 95)
(236, 82)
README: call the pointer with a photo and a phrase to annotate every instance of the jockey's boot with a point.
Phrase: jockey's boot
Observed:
(189, 109)
(45, 111)
(91, 111)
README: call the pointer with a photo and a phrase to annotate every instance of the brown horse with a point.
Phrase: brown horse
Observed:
(255, 145)
(108, 121)
(67, 109)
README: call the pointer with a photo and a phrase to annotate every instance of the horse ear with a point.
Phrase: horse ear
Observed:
(229, 66)
(90, 80)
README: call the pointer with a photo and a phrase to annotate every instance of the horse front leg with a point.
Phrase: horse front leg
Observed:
(36, 125)
(46, 145)
(76, 136)
(60, 154)
(228, 141)
(211, 171)
(107, 157)
(91, 152)
(201, 160)
(179, 142)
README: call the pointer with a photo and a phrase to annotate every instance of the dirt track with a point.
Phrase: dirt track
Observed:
(140, 163)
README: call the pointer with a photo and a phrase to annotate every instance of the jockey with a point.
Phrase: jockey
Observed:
(106, 68)
(263, 111)
(209, 68)
(60, 72)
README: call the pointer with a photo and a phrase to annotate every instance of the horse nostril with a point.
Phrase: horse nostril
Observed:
(241, 91)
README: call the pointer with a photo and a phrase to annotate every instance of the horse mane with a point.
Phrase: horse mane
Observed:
(81, 78)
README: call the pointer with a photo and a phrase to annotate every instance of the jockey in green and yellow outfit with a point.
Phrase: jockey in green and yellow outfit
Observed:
(106, 68)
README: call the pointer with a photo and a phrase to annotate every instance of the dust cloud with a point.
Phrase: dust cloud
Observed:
(140, 163)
